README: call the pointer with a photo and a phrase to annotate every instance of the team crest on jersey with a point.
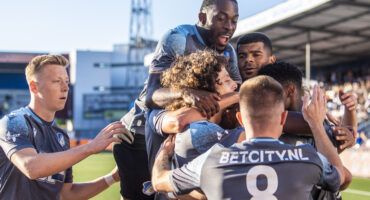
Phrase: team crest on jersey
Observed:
(61, 140)
(12, 137)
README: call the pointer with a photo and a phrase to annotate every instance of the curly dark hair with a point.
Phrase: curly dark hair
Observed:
(198, 70)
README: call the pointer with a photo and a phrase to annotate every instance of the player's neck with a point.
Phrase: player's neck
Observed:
(204, 33)
(41, 111)
(262, 132)
(265, 135)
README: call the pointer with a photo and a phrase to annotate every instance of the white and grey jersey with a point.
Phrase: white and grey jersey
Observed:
(197, 138)
(262, 168)
(201, 136)
(24, 129)
(317, 192)
(181, 40)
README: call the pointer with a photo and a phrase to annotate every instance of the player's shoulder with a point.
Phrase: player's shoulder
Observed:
(217, 148)
(230, 49)
(179, 34)
(14, 122)
(204, 127)
(309, 151)
(184, 29)
(306, 147)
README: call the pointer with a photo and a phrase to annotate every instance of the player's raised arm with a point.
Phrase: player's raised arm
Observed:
(162, 167)
(314, 112)
(349, 100)
(176, 121)
(181, 181)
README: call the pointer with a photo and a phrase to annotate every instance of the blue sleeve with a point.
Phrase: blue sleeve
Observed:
(233, 70)
(155, 120)
(231, 136)
(204, 135)
(187, 178)
(173, 43)
(14, 134)
(330, 179)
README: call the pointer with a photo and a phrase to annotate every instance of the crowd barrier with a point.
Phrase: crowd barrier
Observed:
(357, 161)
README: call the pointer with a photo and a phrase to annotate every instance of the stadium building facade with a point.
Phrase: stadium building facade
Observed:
(105, 85)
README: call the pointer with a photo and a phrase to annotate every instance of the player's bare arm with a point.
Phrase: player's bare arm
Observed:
(349, 100)
(75, 191)
(314, 112)
(36, 165)
(346, 130)
(176, 121)
(161, 170)
(158, 97)
(345, 136)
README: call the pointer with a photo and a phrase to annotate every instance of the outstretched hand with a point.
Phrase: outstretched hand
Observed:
(105, 137)
(314, 110)
(348, 99)
(345, 137)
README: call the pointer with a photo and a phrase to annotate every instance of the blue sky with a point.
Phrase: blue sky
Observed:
(64, 25)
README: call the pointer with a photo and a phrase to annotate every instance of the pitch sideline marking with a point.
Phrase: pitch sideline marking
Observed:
(357, 192)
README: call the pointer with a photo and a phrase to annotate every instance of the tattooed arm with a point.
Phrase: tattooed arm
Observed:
(162, 167)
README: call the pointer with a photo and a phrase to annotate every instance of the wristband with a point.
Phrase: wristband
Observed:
(109, 180)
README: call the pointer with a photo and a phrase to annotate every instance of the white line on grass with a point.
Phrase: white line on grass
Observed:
(357, 192)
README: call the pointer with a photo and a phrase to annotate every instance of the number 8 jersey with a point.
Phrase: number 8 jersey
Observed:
(260, 169)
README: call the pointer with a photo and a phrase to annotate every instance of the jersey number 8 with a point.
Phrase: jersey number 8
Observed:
(272, 182)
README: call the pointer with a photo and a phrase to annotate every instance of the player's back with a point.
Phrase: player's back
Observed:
(262, 169)
(199, 137)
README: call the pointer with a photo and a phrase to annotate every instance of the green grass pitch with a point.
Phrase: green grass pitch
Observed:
(100, 164)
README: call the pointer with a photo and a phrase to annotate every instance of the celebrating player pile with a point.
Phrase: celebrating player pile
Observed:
(210, 123)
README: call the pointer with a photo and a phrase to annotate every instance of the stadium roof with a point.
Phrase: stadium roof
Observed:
(17, 57)
(338, 30)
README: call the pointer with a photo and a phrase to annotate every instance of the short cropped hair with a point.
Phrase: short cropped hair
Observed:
(207, 3)
(259, 96)
(39, 62)
(285, 73)
(255, 37)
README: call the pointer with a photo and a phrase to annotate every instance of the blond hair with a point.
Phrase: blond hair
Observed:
(39, 62)
(259, 97)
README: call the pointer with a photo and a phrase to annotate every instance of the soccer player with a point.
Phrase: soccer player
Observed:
(262, 167)
(35, 158)
(290, 77)
(217, 20)
(203, 70)
(254, 51)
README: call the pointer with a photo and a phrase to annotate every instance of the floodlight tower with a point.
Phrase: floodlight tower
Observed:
(140, 26)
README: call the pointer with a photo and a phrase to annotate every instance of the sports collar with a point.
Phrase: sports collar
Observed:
(264, 139)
